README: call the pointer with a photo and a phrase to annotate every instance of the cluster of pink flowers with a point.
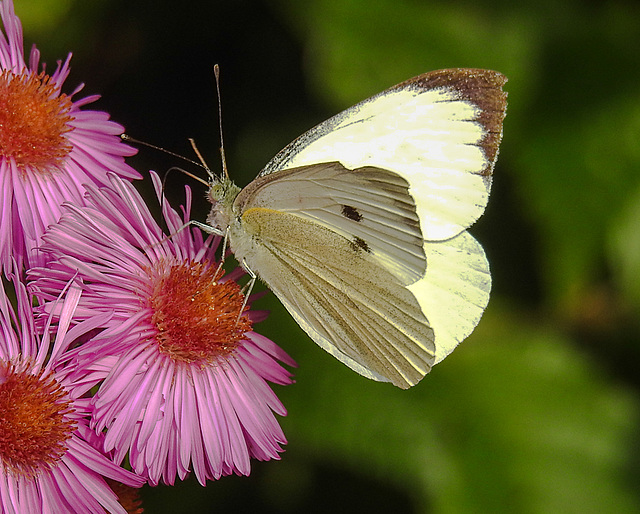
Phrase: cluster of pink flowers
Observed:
(127, 356)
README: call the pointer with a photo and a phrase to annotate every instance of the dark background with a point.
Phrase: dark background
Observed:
(538, 411)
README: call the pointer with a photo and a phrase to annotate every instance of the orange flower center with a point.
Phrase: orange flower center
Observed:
(33, 424)
(34, 119)
(198, 318)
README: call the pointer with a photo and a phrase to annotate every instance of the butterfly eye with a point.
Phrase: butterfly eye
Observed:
(216, 192)
(223, 192)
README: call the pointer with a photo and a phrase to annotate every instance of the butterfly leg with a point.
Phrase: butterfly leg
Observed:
(248, 286)
(223, 255)
(166, 238)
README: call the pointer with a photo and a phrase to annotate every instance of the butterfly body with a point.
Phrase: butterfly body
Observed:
(359, 226)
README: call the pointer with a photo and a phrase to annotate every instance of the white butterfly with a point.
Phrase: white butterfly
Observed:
(359, 225)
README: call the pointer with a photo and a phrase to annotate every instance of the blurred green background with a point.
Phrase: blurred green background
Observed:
(538, 410)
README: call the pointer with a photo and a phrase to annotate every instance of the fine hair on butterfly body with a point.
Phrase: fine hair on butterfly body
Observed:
(359, 226)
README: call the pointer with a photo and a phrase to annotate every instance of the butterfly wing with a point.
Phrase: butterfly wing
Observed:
(339, 294)
(368, 206)
(440, 131)
(454, 292)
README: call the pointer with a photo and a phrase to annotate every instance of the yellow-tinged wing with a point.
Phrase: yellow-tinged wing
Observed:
(341, 295)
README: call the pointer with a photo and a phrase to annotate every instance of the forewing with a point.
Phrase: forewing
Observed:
(371, 207)
(440, 131)
(339, 294)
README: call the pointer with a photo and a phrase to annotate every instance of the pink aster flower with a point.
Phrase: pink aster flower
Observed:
(49, 147)
(47, 461)
(185, 377)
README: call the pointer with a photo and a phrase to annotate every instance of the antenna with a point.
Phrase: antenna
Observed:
(202, 164)
(216, 72)
(127, 137)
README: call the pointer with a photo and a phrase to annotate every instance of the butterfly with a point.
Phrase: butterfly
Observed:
(359, 226)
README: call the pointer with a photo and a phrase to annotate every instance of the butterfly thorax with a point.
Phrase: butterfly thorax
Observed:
(222, 194)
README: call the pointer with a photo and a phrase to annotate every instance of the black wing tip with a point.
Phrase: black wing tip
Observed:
(481, 87)
(461, 79)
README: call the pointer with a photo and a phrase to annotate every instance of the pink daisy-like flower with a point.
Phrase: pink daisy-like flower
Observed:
(49, 147)
(48, 463)
(185, 377)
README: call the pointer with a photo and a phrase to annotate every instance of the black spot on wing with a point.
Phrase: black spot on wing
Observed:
(351, 212)
(358, 244)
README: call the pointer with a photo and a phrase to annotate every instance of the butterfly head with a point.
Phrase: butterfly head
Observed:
(222, 194)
